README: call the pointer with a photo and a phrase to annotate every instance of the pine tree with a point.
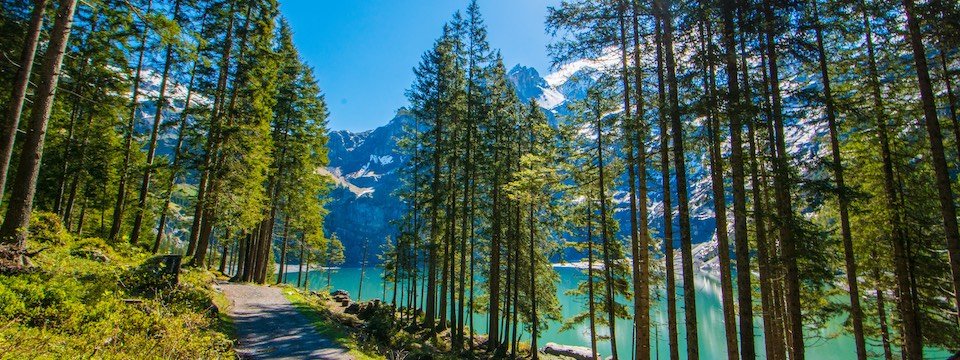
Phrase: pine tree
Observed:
(154, 133)
(931, 121)
(120, 206)
(19, 90)
(17, 220)
(856, 313)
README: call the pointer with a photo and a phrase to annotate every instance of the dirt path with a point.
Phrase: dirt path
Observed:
(270, 327)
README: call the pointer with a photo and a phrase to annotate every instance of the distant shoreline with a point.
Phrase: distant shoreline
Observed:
(292, 268)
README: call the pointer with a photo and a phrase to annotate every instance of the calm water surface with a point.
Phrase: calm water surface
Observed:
(828, 343)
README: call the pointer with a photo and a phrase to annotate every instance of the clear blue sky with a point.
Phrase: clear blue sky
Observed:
(363, 51)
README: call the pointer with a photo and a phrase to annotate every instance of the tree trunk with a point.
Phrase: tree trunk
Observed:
(643, 290)
(671, 285)
(783, 197)
(533, 289)
(590, 293)
(913, 343)
(300, 269)
(740, 234)
(19, 90)
(604, 237)
(283, 250)
(856, 313)
(516, 278)
(948, 209)
(689, 291)
(493, 327)
(363, 266)
(767, 250)
(177, 158)
(628, 124)
(154, 133)
(16, 223)
(223, 258)
(719, 197)
(212, 134)
(431, 310)
(119, 206)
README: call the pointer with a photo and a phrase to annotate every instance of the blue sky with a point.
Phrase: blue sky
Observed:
(363, 51)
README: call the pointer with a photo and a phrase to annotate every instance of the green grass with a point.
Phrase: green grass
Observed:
(315, 311)
(89, 298)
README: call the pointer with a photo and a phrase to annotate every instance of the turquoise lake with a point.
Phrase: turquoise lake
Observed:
(828, 344)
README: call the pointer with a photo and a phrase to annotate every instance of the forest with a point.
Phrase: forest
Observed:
(497, 190)
(137, 128)
(240, 152)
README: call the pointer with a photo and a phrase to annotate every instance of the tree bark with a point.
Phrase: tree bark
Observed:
(689, 290)
(671, 285)
(177, 158)
(948, 209)
(783, 197)
(767, 250)
(154, 133)
(913, 342)
(590, 293)
(856, 313)
(719, 196)
(119, 206)
(643, 290)
(16, 223)
(605, 239)
(628, 123)
(19, 91)
(740, 232)
(283, 249)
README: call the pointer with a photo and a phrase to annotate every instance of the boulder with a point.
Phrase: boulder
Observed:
(576, 352)
(353, 309)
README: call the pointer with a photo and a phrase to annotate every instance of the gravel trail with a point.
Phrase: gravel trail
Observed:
(270, 327)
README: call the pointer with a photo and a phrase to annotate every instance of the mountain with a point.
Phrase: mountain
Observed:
(364, 166)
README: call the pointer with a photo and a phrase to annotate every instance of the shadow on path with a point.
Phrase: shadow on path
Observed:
(270, 327)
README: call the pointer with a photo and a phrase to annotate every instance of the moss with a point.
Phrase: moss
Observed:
(75, 305)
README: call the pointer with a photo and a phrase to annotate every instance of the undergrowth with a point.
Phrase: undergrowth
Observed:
(90, 298)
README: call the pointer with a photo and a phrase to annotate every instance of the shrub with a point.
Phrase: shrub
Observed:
(76, 305)
(47, 229)
(152, 277)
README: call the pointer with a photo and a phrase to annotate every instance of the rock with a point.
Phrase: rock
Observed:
(90, 254)
(353, 309)
(340, 292)
(576, 352)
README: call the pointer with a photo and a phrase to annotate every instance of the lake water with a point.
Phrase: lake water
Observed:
(828, 345)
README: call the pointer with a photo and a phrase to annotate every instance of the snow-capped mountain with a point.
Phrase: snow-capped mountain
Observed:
(364, 166)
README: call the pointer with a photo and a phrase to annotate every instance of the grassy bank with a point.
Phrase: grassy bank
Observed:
(324, 322)
(89, 298)
(378, 332)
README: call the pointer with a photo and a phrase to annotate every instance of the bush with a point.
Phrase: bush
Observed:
(47, 229)
(93, 249)
(77, 305)
(152, 277)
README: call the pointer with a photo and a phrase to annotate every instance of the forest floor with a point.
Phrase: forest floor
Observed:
(269, 326)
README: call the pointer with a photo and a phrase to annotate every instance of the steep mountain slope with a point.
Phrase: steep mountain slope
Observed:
(364, 166)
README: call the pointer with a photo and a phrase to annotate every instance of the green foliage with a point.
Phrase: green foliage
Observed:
(74, 306)
(47, 229)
